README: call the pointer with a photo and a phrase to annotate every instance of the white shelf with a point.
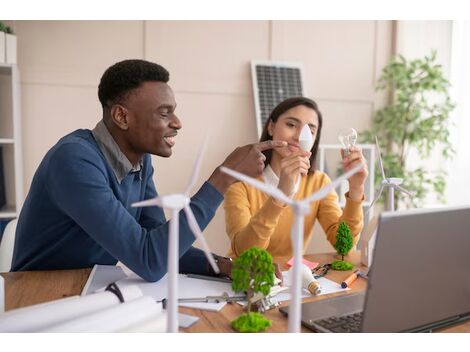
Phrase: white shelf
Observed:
(8, 212)
(10, 140)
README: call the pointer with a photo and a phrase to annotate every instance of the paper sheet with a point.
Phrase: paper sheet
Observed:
(103, 275)
(308, 263)
(186, 320)
(327, 286)
(187, 288)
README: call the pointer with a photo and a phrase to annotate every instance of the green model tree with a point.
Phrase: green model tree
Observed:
(344, 243)
(252, 272)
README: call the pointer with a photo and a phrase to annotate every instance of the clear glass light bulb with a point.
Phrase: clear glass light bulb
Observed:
(347, 137)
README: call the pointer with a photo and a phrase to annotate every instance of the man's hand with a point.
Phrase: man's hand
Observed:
(225, 266)
(248, 160)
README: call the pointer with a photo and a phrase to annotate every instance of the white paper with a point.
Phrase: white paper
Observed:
(112, 319)
(40, 316)
(186, 320)
(101, 276)
(327, 287)
(187, 288)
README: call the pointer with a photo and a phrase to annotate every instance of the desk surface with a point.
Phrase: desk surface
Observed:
(32, 287)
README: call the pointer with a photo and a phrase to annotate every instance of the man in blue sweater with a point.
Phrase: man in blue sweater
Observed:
(78, 211)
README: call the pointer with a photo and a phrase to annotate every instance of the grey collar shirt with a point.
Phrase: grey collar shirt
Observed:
(119, 163)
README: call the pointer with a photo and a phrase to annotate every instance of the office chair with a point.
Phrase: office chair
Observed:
(6, 246)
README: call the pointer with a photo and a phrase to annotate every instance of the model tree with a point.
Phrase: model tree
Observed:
(344, 243)
(252, 272)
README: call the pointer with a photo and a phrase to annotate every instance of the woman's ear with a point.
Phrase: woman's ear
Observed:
(270, 128)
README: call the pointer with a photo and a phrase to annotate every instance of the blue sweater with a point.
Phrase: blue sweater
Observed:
(77, 214)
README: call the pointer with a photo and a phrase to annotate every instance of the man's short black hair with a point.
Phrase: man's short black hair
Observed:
(126, 75)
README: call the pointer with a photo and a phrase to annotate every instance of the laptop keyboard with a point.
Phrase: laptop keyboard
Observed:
(346, 323)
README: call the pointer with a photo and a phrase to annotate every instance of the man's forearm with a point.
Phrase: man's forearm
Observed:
(220, 181)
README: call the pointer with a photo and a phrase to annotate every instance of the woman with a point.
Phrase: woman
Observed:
(254, 219)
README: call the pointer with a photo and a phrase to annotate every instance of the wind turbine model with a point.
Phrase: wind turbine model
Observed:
(391, 183)
(177, 202)
(369, 234)
(300, 209)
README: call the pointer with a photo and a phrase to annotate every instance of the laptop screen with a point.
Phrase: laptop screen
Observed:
(421, 269)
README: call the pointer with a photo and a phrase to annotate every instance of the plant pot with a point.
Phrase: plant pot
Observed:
(10, 48)
(2, 47)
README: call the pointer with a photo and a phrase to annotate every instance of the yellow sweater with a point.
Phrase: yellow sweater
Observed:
(253, 218)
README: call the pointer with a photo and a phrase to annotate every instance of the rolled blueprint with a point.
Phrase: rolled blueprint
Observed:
(113, 319)
(41, 316)
(156, 323)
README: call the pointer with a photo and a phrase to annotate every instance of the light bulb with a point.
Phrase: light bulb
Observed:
(306, 138)
(308, 281)
(347, 137)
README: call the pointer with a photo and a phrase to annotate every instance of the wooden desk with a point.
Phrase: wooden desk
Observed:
(32, 287)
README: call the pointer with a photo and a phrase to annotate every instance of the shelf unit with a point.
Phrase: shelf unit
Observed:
(10, 140)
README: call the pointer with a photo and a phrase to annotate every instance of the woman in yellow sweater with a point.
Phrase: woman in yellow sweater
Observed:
(255, 219)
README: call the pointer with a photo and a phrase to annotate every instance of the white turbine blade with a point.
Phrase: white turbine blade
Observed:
(379, 193)
(324, 191)
(197, 166)
(148, 203)
(194, 226)
(271, 190)
(380, 158)
(400, 188)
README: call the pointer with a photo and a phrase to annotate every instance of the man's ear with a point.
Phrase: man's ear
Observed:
(119, 116)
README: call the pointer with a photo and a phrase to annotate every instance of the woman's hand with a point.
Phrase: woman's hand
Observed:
(356, 181)
(292, 167)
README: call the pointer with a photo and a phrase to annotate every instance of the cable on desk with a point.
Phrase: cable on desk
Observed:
(115, 289)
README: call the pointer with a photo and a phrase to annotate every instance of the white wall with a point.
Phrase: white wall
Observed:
(414, 40)
(61, 63)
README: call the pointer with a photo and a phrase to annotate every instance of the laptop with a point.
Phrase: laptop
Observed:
(419, 281)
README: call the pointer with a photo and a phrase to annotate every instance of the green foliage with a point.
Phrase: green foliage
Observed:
(253, 271)
(5, 29)
(341, 265)
(251, 322)
(344, 240)
(417, 119)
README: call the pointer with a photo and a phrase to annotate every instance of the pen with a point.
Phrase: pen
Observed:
(210, 278)
(350, 279)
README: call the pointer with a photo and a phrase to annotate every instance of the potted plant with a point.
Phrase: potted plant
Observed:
(252, 272)
(7, 44)
(2, 42)
(417, 119)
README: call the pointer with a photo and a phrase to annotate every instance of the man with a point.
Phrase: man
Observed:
(78, 211)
